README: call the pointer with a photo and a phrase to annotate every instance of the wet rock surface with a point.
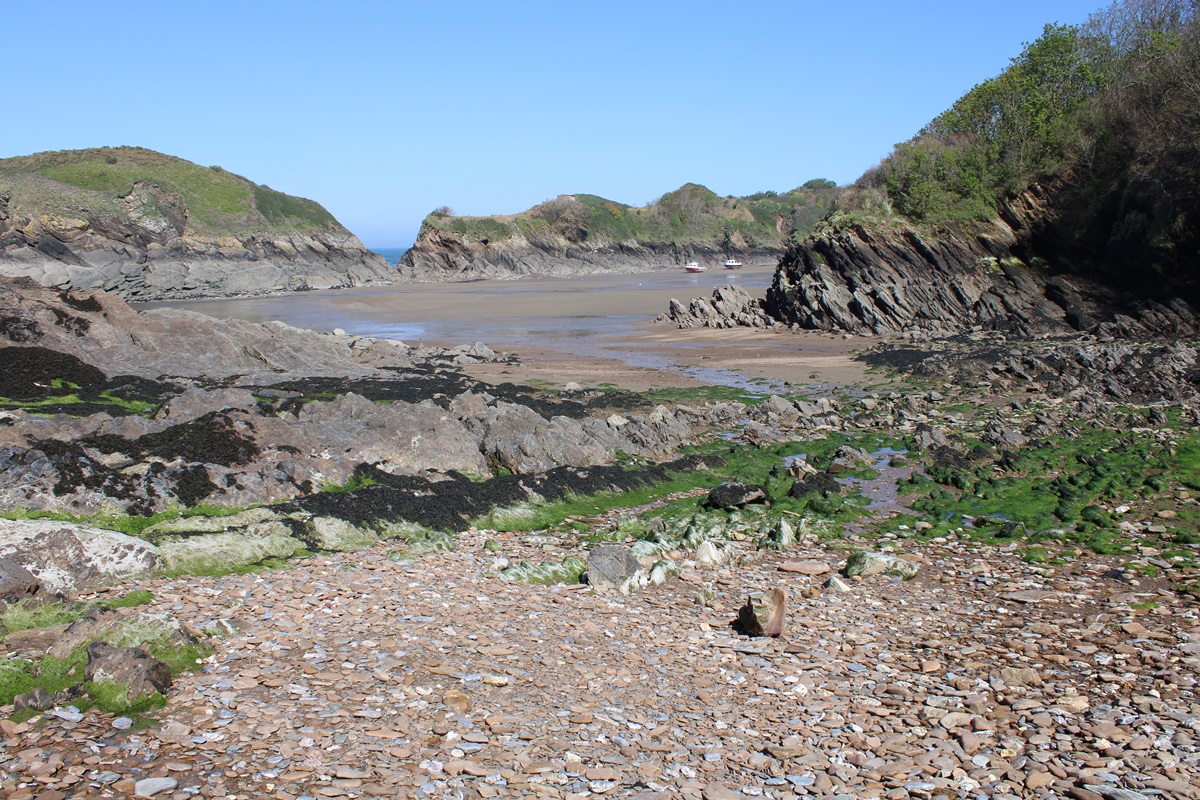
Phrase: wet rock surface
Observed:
(308, 411)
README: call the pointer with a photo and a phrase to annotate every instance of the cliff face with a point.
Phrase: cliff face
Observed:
(146, 226)
(583, 233)
(892, 280)
(440, 255)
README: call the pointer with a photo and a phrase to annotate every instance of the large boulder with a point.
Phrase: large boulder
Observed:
(611, 564)
(67, 558)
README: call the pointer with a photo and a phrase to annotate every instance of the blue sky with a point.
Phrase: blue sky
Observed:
(383, 111)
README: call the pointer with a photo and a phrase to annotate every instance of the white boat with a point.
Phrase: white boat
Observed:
(733, 264)
(692, 266)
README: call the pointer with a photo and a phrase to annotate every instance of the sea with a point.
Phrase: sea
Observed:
(392, 254)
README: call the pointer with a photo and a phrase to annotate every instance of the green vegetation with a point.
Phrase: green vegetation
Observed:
(355, 483)
(24, 615)
(138, 597)
(123, 523)
(52, 674)
(690, 214)
(108, 186)
(569, 570)
(66, 400)
(1099, 118)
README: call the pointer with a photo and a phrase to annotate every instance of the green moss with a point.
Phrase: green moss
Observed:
(1036, 555)
(114, 698)
(570, 570)
(25, 615)
(138, 597)
(355, 483)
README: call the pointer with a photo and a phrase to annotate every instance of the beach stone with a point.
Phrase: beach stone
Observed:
(611, 564)
(863, 563)
(805, 567)
(457, 700)
(1020, 676)
(148, 787)
(837, 584)
(765, 613)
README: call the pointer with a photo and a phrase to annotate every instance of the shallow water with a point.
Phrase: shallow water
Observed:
(586, 317)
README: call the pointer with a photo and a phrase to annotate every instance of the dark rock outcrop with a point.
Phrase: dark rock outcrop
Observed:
(730, 307)
(887, 281)
(729, 495)
(140, 673)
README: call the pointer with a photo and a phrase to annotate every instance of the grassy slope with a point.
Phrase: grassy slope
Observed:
(690, 214)
(89, 184)
(1103, 118)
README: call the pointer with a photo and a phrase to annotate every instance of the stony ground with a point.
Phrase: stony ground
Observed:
(360, 674)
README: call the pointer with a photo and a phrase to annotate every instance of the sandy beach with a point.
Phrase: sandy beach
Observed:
(591, 330)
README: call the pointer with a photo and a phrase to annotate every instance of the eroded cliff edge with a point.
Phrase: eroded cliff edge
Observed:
(146, 226)
(891, 278)
(584, 234)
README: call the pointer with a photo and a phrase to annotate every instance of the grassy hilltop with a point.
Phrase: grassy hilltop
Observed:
(94, 184)
(691, 214)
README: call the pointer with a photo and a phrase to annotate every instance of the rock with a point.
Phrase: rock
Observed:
(97, 623)
(731, 494)
(765, 613)
(68, 558)
(148, 787)
(848, 459)
(16, 582)
(572, 386)
(205, 544)
(611, 564)
(730, 306)
(870, 281)
(37, 699)
(1020, 676)
(821, 483)
(130, 667)
(805, 567)
(864, 563)
(457, 700)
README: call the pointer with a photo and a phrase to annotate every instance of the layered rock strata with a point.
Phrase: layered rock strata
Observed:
(154, 258)
(878, 282)
(440, 255)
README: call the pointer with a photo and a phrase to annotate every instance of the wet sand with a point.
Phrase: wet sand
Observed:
(592, 330)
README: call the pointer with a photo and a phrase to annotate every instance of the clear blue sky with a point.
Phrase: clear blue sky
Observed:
(383, 111)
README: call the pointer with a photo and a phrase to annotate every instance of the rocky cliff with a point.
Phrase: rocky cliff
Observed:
(441, 255)
(891, 278)
(145, 226)
(582, 234)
